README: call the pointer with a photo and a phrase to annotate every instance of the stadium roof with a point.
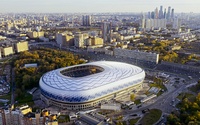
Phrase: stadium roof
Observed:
(112, 77)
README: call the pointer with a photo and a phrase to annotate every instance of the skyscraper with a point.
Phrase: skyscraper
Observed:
(143, 19)
(86, 20)
(161, 12)
(152, 15)
(156, 13)
(143, 23)
(172, 14)
(106, 31)
(164, 16)
(149, 15)
(168, 12)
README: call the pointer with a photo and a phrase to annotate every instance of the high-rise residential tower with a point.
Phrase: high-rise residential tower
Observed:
(161, 12)
(106, 31)
(168, 12)
(156, 13)
(152, 15)
(164, 15)
(86, 20)
(149, 15)
(172, 14)
(177, 23)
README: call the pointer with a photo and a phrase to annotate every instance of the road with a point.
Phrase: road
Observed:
(42, 43)
(163, 102)
(159, 103)
(13, 87)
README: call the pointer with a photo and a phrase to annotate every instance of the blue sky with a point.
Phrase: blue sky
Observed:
(65, 6)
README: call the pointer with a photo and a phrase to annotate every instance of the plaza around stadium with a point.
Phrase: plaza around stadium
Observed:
(89, 85)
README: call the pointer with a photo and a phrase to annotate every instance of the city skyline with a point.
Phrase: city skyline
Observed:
(100, 6)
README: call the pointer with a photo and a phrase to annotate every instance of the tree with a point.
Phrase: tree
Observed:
(197, 115)
(194, 107)
(173, 119)
(119, 123)
(19, 93)
(194, 123)
(198, 97)
(26, 80)
(132, 97)
(47, 59)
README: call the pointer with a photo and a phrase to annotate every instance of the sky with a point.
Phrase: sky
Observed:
(90, 6)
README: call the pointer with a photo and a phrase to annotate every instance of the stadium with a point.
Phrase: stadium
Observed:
(88, 85)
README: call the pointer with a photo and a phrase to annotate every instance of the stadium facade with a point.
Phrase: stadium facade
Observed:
(88, 85)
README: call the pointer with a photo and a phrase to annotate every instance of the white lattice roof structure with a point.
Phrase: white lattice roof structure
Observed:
(113, 77)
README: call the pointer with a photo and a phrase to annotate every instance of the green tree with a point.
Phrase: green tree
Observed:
(132, 97)
(47, 59)
(173, 119)
(26, 79)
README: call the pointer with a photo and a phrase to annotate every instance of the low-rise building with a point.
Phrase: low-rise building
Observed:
(2, 38)
(175, 47)
(65, 39)
(6, 51)
(35, 34)
(135, 54)
(23, 115)
(92, 118)
(96, 41)
(111, 106)
(21, 46)
(31, 65)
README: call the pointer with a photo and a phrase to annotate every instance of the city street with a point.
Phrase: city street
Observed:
(165, 102)
(13, 87)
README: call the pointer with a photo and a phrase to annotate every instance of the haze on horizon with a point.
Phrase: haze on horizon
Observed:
(89, 6)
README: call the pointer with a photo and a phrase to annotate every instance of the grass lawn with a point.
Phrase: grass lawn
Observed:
(1, 104)
(160, 93)
(124, 122)
(119, 118)
(8, 96)
(195, 88)
(152, 117)
(63, 118)
(137, 101)
(158, 86)
(192, 98)
(185, 95)
(133, 121)
(27, 99)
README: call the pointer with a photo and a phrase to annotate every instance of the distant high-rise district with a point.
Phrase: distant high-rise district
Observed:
(160, 18)
(110, 66)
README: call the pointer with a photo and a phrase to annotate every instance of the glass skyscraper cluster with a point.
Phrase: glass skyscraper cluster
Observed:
(160, 14)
